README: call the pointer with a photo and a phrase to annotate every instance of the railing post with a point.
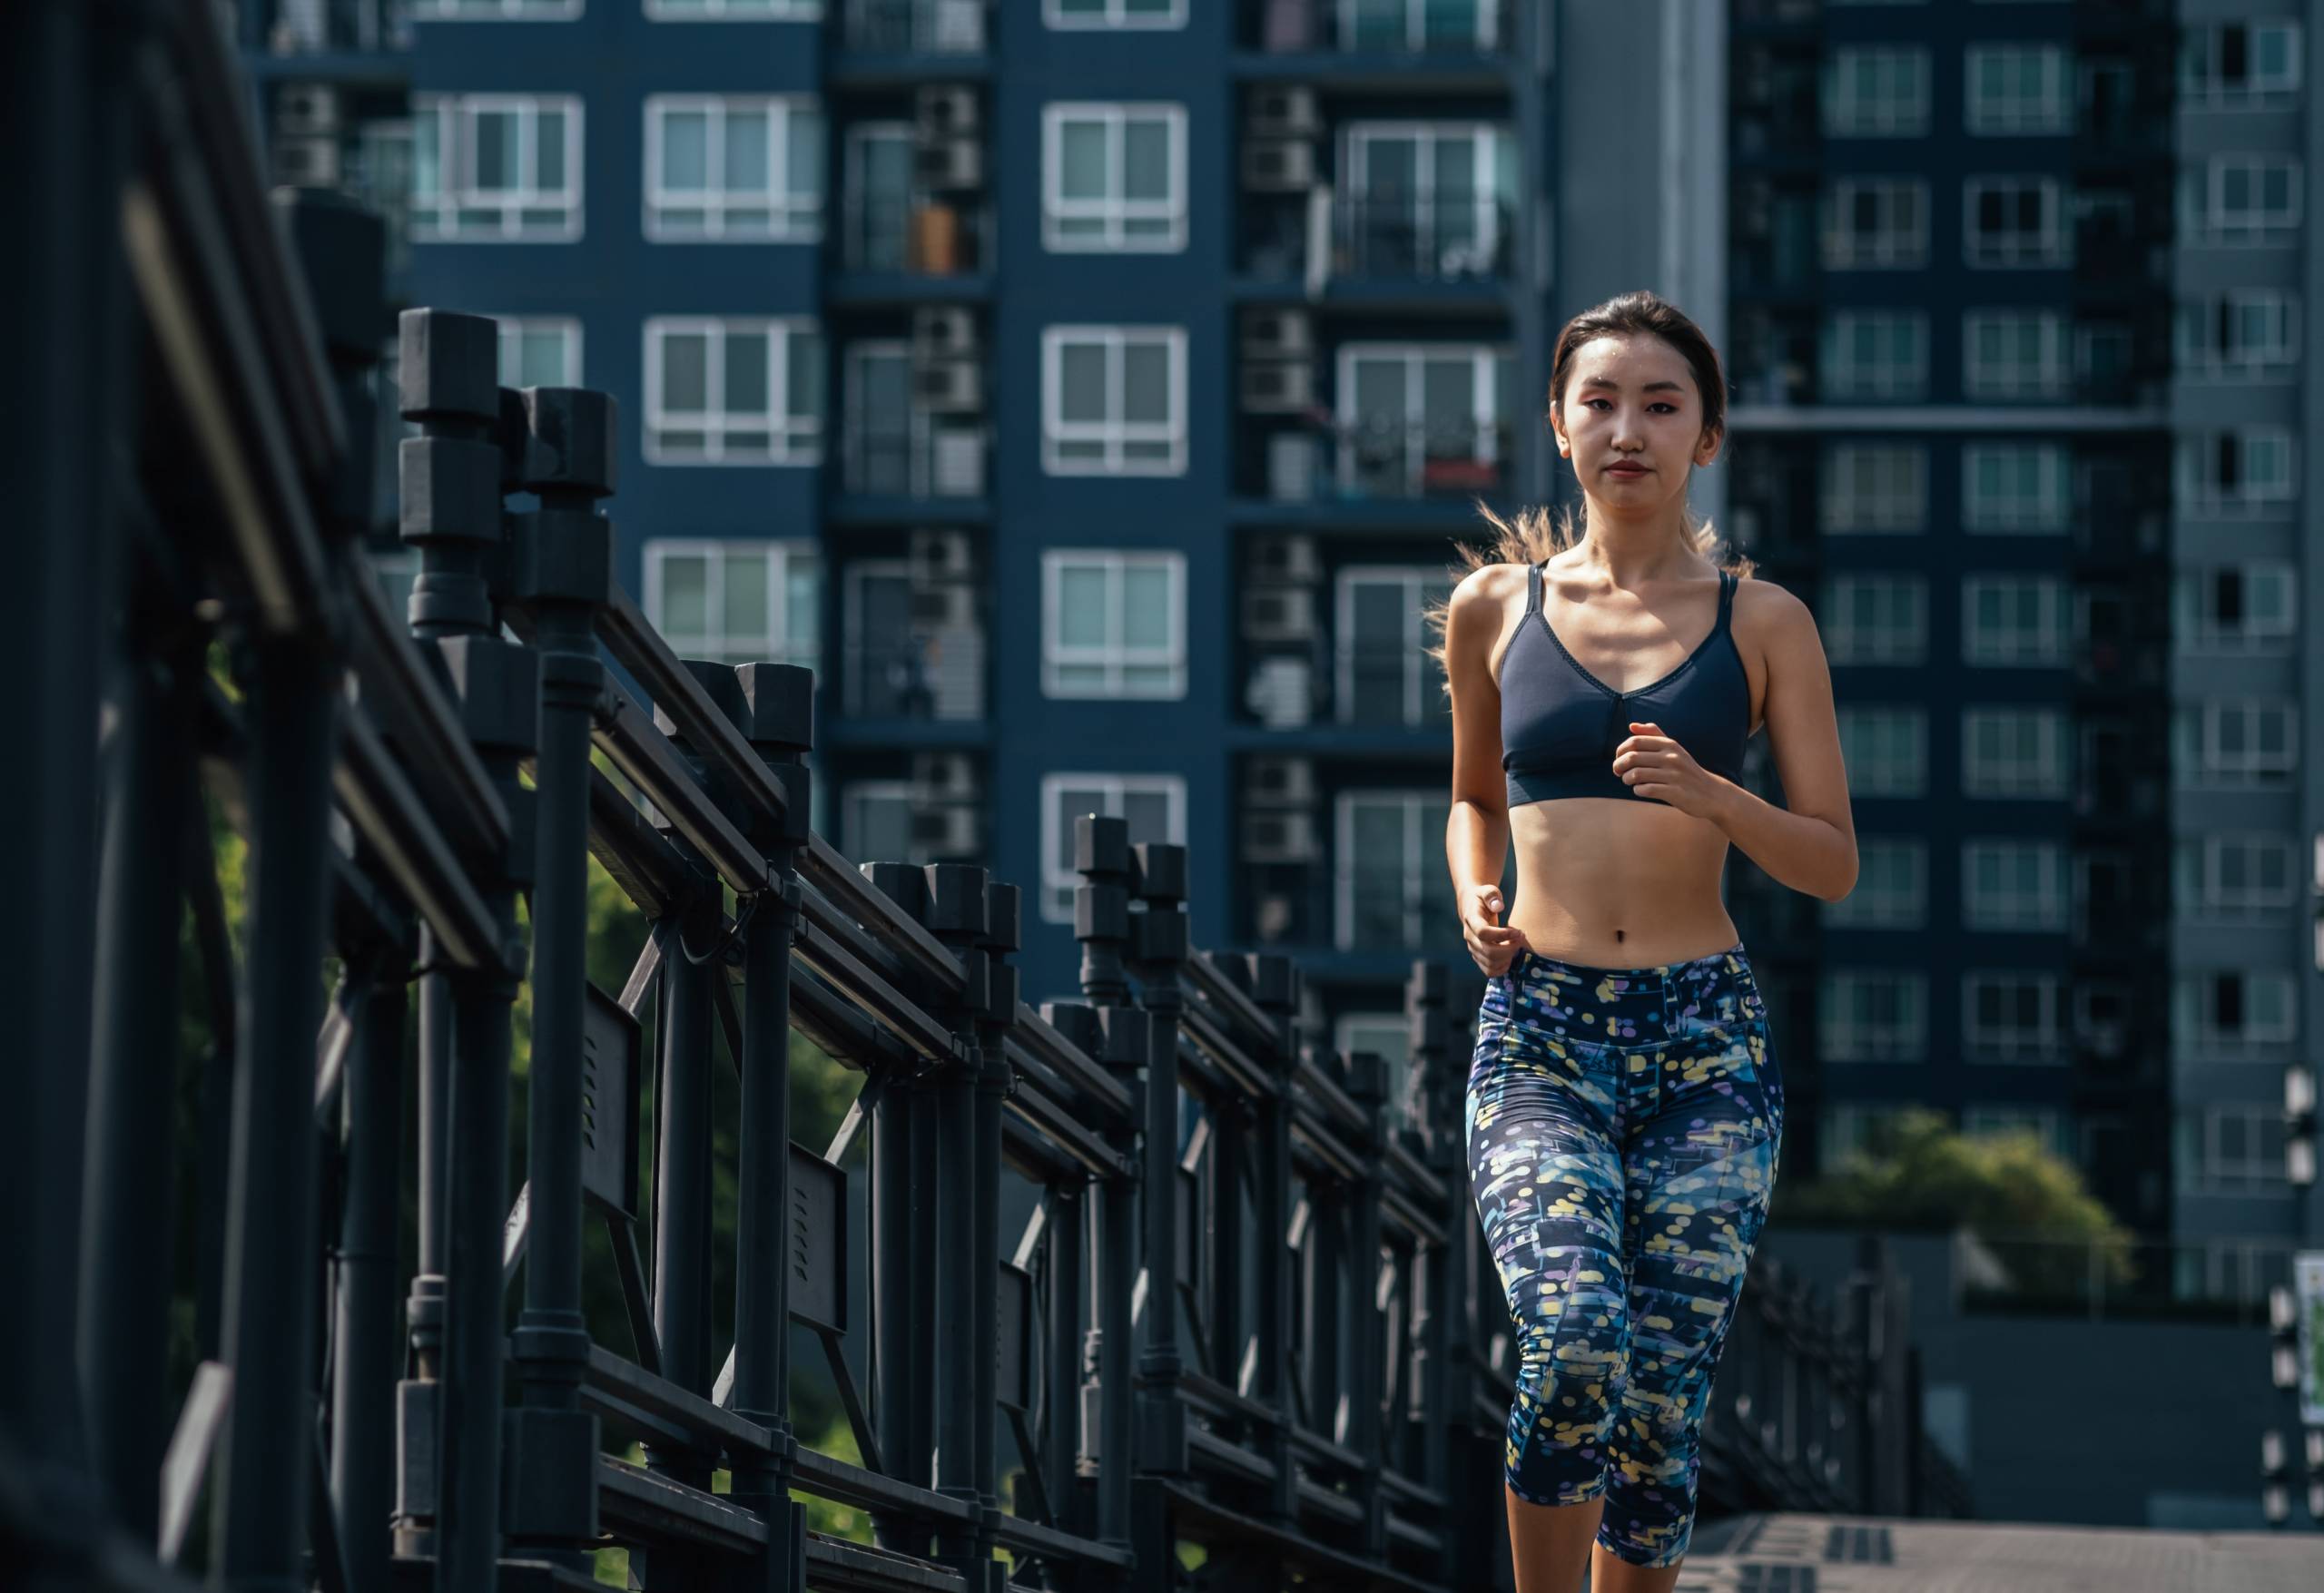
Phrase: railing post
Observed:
(563, 559)
(1366, 1371)
(1274, 987)
(1158, 954)
(901, 1297)
(995, 1079)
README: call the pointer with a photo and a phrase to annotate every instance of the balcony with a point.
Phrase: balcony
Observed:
(1443, 237)
(931, 679)
(922, 461)
(1384, 457)
(915, 27)
(1428, 27)
(342, 28)
(914, 235)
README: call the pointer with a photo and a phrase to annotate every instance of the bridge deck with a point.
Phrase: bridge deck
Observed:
(1785, 1553)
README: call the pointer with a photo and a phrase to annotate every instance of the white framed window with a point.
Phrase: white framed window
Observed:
(743, 168)
(2013, 752)
(1416, 419)
(1875, 490)
(2015, 90)
(2240, 65)
(735, 601)
(2231, 1150)
(2011, 1015)
(2242, 334)
(2016, 487)
(1113, 178)
(1877, 90)
(2236, 742)
(2102, 351)
(496, 168)
(736, 390)
(735, 10)
(1991, 1120)
(2012, 885)
(1113, 624)
(2013, 221)
(1875, 354)
(1852, 1131)
(1154, 806)
(1875, 223)
(1875, 618)
(1390, 890)
(494, 10)
(877, 193)
(1872, 1015)
(1427, 199)
(1885, 749)
(1114, 400)
(1380, 673)
(539, 350)
(2241, 199)
(1091, 14)
(2235, 876)
(2015, 621)
(2233, 1014)
(875, 823)
(1891, 886)
(1416, 25)
(2241, 608)
(2236, 470)
(2014, 353)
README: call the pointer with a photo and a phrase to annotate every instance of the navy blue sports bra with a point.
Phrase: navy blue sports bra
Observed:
(1560, 724)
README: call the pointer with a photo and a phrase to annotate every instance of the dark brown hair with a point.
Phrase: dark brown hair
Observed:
(1536, 534)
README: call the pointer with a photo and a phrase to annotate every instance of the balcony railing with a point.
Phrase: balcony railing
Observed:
(318, 27)
(939, 462)
(934, 678)
(1445, 237)
(1390, 26)
(943, 27)
(1380, 457)
(915, 233)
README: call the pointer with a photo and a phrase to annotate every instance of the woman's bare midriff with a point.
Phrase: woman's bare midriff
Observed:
(1636, 883)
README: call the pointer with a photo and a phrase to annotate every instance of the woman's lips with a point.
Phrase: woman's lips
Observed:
(1626, 471)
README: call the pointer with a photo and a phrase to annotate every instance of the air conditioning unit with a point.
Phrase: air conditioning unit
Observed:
(949, 165)
(956, 463)
(1278, 165)
(1285, 558)
(939, 778)
(1279, 783)
(1293, 464)
(1279, 613)
(945, 831)
(1284, 112)
(943, 111)
(1277, 334)
(1287, 836)
(947, 386)
(307, 162)
(943, 332)
(1281, 693)
(304, 109)
(940, 557)
(1277, 386)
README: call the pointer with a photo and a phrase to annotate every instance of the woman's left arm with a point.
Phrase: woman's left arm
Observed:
(1810, 842)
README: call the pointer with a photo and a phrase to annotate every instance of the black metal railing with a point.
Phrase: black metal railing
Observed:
(913, 233)
(946, 27)
(1432, 27)
(1445, 237)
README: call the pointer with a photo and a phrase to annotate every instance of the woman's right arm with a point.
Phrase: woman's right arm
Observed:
(1476, 830)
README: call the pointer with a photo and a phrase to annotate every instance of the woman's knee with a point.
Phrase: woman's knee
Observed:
(1570, 1376)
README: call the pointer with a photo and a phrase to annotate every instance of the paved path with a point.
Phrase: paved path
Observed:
(1866, 1554)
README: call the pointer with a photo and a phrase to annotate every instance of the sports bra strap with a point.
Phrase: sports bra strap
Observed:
(1532, 588)
(1727, 582)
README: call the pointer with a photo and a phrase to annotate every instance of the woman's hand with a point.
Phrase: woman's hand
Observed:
(1653, 765)
(1494, 946)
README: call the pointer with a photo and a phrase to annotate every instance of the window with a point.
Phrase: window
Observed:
(1428, 199)
(902, 661)
(1416, 25)
(1421, 418)
(891, 445)
(1153, 805)
(2015, 487)
(2242, 333)
(2007, 1015)
(2014, 354)
(1113, 625)
(1876, 354)
(2015, 90)
(1846, 1131)
(1386, 1035)
(877, 196)
(736, 602)
(2239, 65)
(875, 823)
(733, 391)
(1885, 750)
(1876, 619)
(1114, 178)
(1391, 891)
(1380, 674)
(2015, 621)
(1873, 1015)
(1877, 90)
(1114, 13)
(2045, 1123)
(1875, 490)
(2235, 743)
(2235, 876)
(1891, 888)
(2013, 752)
(494, 10)
(2233, 1014)
(2243, 607)
(2013, 221)
(496, 168)
(745, 167)
(1114, 400)
(2240, 199)
(2236, 470)
(1875, 223)
(735, 10)
(2009, 884)
(2231, 1150)
(540, 351)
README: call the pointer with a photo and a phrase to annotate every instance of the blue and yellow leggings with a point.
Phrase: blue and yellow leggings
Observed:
(1622, 1134)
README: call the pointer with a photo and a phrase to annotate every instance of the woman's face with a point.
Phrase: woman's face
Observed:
(1630, 402)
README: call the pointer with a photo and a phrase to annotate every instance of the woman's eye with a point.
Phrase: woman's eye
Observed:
(1673, 408)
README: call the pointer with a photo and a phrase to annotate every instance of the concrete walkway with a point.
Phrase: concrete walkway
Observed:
(1867, 1554)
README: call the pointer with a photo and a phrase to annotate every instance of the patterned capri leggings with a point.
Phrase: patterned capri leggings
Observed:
(1623, 1127)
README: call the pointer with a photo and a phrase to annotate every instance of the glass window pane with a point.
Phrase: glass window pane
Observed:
(804, 162)
(1146, 814)
(685, 595)
(426, 155)
(1081, 605)
(802, 606)
(496, 149)
(747, 597)
(1145, 381)
(1145, 606)
(803, 367)
(541, 361)
(685, 149)
(1082, 390)
(1146, 159)
(548, 152)
(746, 374)
(1380, 391)
(1073, 801)
(744, 146)
(1081, 159)
(685, 371)
(1448, 399)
